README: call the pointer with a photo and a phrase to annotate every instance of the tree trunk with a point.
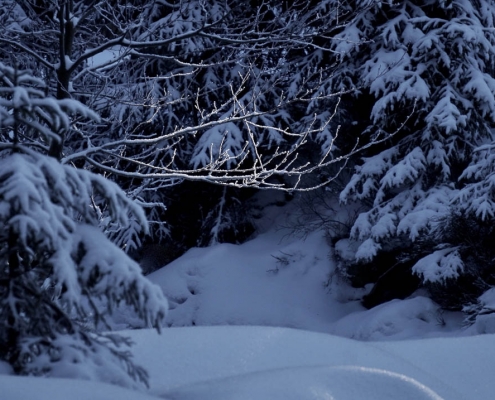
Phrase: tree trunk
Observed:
(63, 72)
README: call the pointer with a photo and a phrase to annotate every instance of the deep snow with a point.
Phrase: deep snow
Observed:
(280, 279)
(303, 350)
(241, 363)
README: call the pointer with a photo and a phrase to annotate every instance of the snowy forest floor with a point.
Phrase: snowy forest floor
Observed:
(292, 340)
(282, 279)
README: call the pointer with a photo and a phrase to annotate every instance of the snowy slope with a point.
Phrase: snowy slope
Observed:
(217, 354)
(280, 280)
(232, 337)
(229, 284)
(241, 363)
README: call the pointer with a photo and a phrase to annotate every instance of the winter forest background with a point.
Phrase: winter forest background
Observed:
(131, 132)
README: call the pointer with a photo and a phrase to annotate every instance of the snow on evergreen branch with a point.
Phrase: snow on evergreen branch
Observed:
(440, 265)
(63, 277)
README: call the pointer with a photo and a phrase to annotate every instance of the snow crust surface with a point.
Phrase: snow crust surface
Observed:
(241, 363)
(269, 319)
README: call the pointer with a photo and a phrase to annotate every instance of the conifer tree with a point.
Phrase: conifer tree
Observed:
(425, 71)
(61, 277)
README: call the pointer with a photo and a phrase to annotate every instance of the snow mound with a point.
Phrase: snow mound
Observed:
(240, 363)
(397, 319)
(311, 383)
(182, 358)
(272, 281)
(278, 280)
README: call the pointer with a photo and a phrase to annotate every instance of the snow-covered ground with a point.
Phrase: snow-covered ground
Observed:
(269, 319)
(241, 363)
(279, 279)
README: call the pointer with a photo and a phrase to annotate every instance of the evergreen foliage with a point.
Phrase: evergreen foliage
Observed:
(428, 68)
(231, 92)
(258, 94)
(61, 277)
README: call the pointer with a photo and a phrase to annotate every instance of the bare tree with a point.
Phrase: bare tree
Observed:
(220, 76)
(234, 93)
